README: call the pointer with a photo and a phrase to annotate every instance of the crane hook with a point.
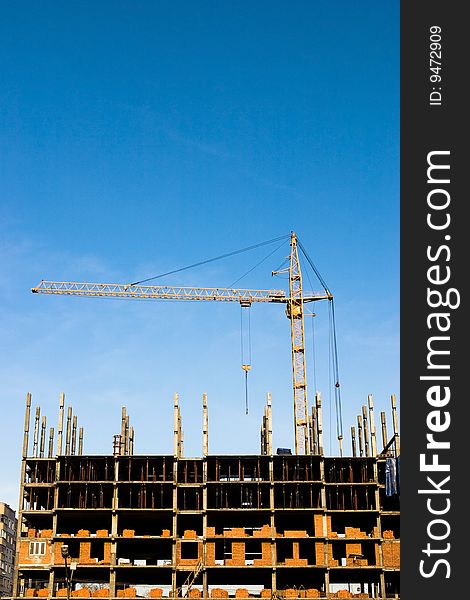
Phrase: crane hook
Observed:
(246, 368)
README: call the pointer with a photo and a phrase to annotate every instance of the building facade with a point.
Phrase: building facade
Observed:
(212, 527)
(8, 525)
(272, 525)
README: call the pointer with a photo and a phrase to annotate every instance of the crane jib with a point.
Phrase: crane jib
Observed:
(159, 292)
(167, 292)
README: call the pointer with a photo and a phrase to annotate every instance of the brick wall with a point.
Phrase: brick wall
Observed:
(188, 562)
(26, 559)
(391, 553)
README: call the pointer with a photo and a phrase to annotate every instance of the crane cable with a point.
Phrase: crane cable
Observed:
(257, 264)
(330, 407)
(315, 270)
(338, 403)
(313, 340)
(334, 347)
(246, 365)
(209, 260)
(314, 354)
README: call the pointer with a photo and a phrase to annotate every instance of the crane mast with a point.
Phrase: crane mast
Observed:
(295, 314)
(294, 311)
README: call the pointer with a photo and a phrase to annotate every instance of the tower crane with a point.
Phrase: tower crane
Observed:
(294, 303)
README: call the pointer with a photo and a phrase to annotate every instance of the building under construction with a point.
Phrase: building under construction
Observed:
(271, 525)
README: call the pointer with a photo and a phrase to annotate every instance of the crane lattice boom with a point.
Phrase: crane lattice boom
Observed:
(158, 292)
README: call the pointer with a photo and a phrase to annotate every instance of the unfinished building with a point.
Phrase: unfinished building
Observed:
(272, 525)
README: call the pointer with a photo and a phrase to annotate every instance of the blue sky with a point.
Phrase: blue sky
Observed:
(138, 137)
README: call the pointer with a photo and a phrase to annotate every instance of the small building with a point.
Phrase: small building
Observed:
(8, 524)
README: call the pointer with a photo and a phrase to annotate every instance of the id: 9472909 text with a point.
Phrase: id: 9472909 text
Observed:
(435, 65)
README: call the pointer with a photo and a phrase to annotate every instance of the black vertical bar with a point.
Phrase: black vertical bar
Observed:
(434, 232)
